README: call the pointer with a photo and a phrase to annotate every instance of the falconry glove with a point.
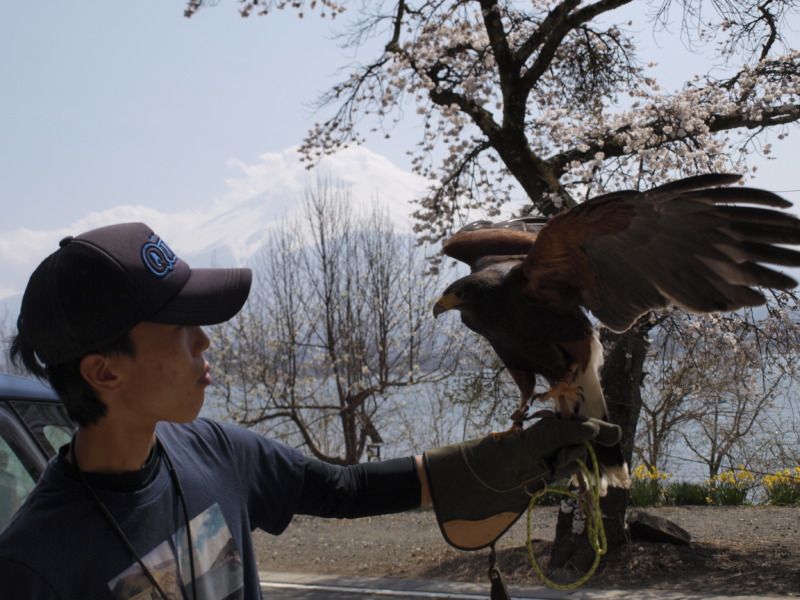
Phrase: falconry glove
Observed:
(481, 487)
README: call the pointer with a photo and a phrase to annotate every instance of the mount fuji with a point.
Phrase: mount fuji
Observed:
(229, 230)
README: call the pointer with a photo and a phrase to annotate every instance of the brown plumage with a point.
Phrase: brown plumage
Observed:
(618, 256)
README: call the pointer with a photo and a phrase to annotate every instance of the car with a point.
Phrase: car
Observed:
(33, 425)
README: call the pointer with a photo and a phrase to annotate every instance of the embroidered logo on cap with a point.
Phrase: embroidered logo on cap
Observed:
(157, 257)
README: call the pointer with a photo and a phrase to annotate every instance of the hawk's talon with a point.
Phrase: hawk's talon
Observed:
(562, 389)
(520, 415)
(516, 427)
(545, 413)
(561, 392)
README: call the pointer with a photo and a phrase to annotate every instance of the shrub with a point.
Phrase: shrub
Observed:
(783, 487)
(730, 488)
(686, 493)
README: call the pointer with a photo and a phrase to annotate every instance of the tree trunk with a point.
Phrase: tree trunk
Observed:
(622, 376)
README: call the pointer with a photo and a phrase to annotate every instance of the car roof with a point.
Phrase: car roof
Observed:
(14, 386)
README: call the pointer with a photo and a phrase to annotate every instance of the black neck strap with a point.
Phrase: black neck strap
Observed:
(121, 534)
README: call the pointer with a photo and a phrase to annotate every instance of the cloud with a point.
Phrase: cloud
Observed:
(278, 180)
(228, 230)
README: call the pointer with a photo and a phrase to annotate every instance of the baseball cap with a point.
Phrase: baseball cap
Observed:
(100, 284)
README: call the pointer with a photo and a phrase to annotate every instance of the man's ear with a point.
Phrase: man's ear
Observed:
(100, 372)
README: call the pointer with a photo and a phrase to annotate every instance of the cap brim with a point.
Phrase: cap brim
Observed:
(209, 297)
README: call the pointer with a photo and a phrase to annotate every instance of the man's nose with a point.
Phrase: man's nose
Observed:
(202, 341)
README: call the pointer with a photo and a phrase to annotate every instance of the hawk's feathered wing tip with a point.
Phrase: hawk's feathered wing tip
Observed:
(483, 239)
(698, 182)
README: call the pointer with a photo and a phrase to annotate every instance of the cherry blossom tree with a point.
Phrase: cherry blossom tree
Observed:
(540, 104)
(553, 97)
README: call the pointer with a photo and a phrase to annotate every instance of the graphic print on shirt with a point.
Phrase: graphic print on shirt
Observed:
(217, 563)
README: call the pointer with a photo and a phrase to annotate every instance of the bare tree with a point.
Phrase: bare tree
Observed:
(471, 402)
(7, 331)
(715, 381)
(339, 320)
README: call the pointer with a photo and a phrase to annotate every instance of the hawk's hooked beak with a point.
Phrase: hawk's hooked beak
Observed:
(448, 301)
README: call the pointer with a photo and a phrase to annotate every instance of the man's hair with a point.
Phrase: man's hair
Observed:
(78, 396)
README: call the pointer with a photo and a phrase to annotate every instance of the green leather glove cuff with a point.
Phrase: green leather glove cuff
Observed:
(481, 487)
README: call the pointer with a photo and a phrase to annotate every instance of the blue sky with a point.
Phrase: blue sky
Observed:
(108, 104)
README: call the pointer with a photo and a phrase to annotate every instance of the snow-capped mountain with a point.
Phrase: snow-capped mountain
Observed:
(228, 230)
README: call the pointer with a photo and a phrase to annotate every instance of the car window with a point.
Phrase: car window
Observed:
(15, 482)
(30, 432)
(48, 421)
(57, 435)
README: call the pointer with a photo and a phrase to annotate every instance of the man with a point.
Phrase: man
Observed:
(148, 501)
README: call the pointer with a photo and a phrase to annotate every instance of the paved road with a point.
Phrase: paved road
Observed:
(328, 591)
(293, 586)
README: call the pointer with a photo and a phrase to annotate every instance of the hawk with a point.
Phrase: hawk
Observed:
(690, 243)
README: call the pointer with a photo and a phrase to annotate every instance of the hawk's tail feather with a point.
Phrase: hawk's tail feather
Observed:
(613, 467)
(614, 470)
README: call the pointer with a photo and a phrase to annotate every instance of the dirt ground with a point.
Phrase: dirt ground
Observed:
(734, 550)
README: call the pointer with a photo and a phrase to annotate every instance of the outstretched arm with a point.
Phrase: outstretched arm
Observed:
(363, 490)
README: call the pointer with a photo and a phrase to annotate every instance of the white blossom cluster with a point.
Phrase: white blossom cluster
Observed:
(498, 88)
(264, 7)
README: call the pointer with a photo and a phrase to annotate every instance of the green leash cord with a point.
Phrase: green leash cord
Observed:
(594, 524)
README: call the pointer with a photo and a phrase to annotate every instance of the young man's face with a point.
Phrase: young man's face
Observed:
(167, 378)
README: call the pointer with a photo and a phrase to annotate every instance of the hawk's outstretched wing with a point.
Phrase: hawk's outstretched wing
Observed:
(622, 254)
